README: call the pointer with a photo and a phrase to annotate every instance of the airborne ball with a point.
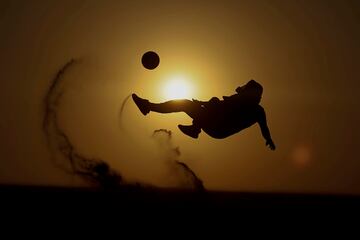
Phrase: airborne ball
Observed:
(150, 60)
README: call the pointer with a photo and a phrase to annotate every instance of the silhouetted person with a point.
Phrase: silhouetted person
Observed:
(218, 118)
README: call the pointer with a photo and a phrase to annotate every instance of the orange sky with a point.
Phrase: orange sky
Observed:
(306, 56)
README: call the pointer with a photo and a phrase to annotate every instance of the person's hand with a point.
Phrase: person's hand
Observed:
(271, 144)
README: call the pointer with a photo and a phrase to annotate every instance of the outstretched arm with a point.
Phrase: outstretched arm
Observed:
(265, 130)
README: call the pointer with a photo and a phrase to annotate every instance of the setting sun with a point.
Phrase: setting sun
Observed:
(177, 88)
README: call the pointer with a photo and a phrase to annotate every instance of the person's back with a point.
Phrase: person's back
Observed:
(246, 96)
(238, 108)
(232, 121)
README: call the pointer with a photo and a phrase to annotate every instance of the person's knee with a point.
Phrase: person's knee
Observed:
(192, 109)
(214, 100)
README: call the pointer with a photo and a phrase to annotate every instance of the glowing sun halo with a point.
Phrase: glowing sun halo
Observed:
(177, 88)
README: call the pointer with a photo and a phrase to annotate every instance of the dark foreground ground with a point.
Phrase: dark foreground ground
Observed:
(139, 199)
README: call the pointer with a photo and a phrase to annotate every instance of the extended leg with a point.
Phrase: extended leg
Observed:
(189, 107)
(192, 109)
(183, 105)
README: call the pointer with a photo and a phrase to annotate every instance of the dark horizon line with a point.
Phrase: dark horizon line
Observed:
(150, 188)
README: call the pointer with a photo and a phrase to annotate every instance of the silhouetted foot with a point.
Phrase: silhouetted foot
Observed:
(142, 104)
(191, 130)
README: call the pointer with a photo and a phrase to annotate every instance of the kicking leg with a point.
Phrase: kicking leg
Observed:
(191, 108)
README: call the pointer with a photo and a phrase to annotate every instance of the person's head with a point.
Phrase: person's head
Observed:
(252, 91)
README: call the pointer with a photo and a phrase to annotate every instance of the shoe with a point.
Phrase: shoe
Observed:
(190, 130)
(142, 104)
